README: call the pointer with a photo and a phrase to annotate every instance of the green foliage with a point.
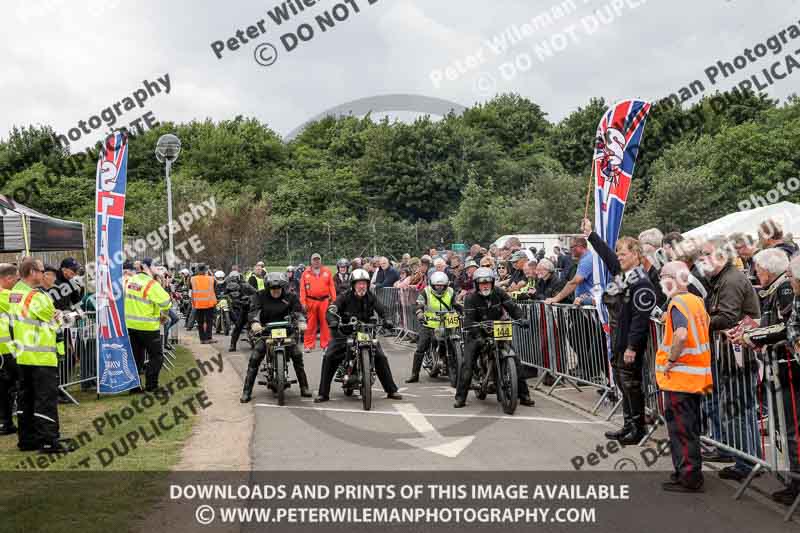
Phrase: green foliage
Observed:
(349, 185)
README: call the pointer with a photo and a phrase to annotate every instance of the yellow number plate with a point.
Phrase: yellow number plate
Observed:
(451, 320)
(503, 331)
(362, 337)
(279, 333)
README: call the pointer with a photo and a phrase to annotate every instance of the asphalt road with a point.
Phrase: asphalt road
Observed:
(423, 432)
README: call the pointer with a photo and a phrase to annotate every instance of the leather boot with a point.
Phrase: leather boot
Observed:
(616, 435)
(302, 380)
(634, 436)
(415, 366)
(249, 380)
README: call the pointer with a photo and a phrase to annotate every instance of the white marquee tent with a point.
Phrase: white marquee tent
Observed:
(785, 213)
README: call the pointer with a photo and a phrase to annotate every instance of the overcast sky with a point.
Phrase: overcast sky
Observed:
(64, 61)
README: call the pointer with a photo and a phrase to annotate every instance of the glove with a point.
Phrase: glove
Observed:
(525, 324)
(256, 327)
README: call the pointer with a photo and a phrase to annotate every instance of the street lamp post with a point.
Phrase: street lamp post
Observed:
(167, 149)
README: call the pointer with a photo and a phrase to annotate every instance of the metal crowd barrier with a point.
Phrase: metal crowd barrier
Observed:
(78, 366)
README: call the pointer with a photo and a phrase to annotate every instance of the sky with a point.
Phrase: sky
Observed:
(65, 61)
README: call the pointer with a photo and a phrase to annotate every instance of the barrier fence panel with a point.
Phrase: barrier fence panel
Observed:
(79, 363)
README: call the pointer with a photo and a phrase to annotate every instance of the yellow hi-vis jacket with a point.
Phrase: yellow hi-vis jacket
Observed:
(433, 303)
(145, 300)
(34, 326)
(6, 346)
(692, 374)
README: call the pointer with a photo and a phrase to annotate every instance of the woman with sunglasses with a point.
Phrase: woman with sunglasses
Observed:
(503, 275)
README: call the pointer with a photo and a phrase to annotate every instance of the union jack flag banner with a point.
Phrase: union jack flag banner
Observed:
(116, 367)
(619, 136)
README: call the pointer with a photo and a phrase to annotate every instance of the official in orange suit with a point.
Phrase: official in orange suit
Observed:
(317, 291)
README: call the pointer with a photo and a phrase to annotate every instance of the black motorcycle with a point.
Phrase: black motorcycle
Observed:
(359, 362)
(496, 357)
(446, 351)
(280, 338)
(222, 316)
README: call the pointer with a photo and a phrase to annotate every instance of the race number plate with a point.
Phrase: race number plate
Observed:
(451, 320)
(503, 331)
(362, 337)
(279, 333)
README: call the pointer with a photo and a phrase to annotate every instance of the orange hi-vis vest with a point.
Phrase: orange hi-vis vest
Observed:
(203, 295)
(692, 374)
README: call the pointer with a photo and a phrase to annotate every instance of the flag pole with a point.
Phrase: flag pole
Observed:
(588, 193)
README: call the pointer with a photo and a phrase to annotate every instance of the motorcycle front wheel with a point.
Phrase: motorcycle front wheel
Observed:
(280, 376)
(366, 379)
(507, 388)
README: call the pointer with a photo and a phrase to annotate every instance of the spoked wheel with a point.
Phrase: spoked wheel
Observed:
(507, 388)
(280, 377)
(433, 357)
(366, 379)
(454, 360)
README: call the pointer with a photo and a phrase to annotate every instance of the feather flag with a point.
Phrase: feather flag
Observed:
(116, 367)
(619, 136)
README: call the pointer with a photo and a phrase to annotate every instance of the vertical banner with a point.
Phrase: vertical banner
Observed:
(619, 136)
(116, 367)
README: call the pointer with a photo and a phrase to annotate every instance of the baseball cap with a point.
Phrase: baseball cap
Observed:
(316, 256)
(127, 265)
(516, 256)
(148, 261)
(70, 263)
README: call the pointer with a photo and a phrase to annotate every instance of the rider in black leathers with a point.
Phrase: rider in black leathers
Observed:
(358, 302)
(274, 304)
(240, 293)
(486, 303)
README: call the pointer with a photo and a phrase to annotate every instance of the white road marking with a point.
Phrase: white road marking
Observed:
(431, 439)
(444, 415)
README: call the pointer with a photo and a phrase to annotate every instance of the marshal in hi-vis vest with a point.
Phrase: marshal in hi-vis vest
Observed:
(203, 295)
(434, 303)
(145, 300)
(692, 374)
(33, 316)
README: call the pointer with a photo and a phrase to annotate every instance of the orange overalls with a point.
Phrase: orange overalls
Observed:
(316, 294)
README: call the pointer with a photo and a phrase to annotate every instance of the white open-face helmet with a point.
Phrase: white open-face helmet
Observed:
(439, 282)
(219, 274)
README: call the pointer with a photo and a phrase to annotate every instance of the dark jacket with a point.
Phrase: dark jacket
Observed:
(386, 278)
(265, 309)
(478, 308)
(777, 305)
(654, 276)
(547, 288)
(630, 298)
(730, 299)
(342, 282)
(563, 263)
(790, 249)
(348, 305)
(66, 295)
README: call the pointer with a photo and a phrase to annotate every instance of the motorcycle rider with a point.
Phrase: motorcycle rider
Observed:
(219, 283)
(438, 296)
(256, 279)
(357, 302)
(239, 293)
(273, 305)
(486, 303)
(342, 278)
(294, 284)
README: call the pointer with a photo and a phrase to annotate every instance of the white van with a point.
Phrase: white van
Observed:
(539, 240)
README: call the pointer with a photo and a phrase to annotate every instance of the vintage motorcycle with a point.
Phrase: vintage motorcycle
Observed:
(280, 338)
(222, 316)
(446, 351)
(359, 361)
(496, 357)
